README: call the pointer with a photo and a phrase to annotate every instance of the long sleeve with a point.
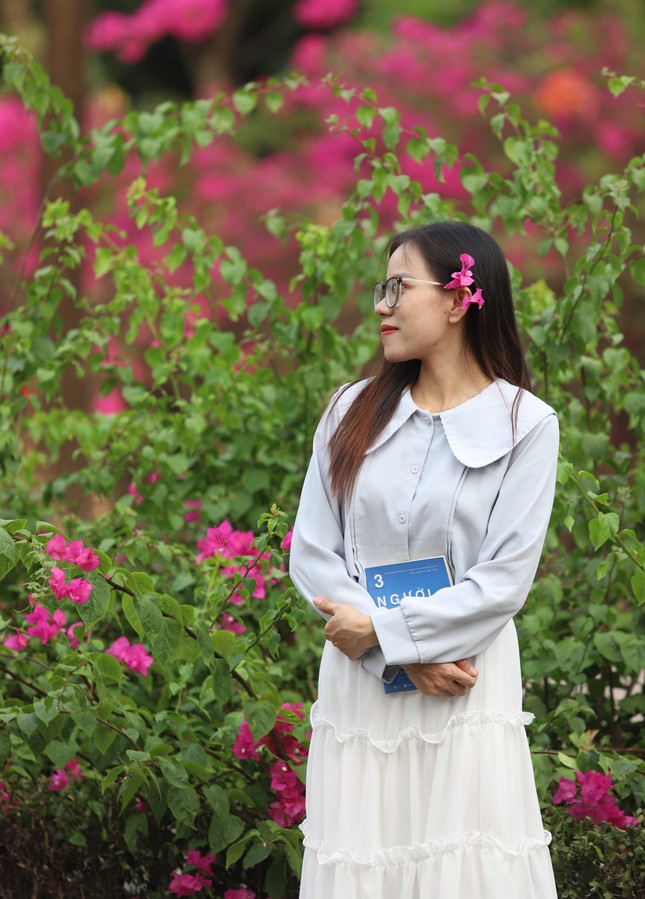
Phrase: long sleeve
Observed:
(317, 564)
(463, 620)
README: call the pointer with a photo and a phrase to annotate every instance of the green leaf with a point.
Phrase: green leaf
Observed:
(234, 853)
(109, 667)
(245, 101)
(223, 831)
(603, 528)
(149, 615)
(97, 605)
(638, 586)
(103, 737)
(618, 85)
(183, 802)
(260, 716)
(7, 553)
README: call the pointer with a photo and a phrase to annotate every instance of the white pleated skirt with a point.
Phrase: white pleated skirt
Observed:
(423, 797)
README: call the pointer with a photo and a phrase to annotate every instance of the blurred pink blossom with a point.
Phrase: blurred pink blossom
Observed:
(185, 884)
(74, 769)
(324, 13)
(58, 781)
(16, 643)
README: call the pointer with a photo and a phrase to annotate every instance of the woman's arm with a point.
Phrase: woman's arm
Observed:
(461, 621)
(317, 557)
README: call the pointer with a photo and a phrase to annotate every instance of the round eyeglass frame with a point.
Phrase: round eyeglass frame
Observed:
(390, 290)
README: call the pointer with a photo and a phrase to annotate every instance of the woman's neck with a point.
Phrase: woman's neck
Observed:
(441, 387)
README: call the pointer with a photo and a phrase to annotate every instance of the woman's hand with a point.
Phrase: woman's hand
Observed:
(443, 678)
(349, 630)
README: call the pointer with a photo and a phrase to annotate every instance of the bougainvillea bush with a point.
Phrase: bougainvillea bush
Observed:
(157, 668)
(285, 158)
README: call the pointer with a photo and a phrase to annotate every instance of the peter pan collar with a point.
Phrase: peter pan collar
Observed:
(478, 431)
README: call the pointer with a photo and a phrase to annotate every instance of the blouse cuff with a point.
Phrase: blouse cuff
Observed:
(394, 637)
(374, 662)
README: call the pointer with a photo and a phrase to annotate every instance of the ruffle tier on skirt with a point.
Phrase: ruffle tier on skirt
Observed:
(416, 797)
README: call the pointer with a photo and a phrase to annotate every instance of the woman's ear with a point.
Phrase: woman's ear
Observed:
(458, 308)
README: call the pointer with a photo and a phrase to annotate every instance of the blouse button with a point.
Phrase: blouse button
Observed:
(402, 519)
(414, 469)
(427, 421)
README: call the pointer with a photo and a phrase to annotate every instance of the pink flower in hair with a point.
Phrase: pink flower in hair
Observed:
(476, 297)
(464, 278)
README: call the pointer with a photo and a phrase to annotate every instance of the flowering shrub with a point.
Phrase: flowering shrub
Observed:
(594, 801)
(174, 685)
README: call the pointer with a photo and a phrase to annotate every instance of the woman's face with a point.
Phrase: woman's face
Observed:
(416, 328)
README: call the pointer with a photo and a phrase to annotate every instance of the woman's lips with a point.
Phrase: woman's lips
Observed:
(387, 329)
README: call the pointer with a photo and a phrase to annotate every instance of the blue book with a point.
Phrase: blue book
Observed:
(389, 584)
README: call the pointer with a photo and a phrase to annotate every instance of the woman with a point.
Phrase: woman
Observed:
(429, 793)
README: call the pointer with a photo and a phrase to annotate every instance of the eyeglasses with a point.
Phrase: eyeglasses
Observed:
(391, 289)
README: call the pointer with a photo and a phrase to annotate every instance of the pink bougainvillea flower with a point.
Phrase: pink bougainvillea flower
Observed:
(185, 884)
(231, 624)
(203, 862)
(73, 768)
(217, 541)
(119, 648)
(290, 807)
(196, 20)
(85, 558)
(5, 796)
(133, 491)
(242, 893)
(56, 547)
(58, 781)
(73, 640)
(41, 626)
(324, 14)
(138, 659)
(566, 791)
(195, 505)
(153, 477)
(78, 590)
(16, 643)
(286, 543)
(244, 746)
(594, 802)
(134, 656)
(57, 583)
(594, 786)
(464, 278)
(476, 297)
(140, 804)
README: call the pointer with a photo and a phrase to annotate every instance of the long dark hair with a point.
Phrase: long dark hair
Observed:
(491, 334)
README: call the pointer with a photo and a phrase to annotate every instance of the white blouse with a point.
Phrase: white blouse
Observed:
(459, 484)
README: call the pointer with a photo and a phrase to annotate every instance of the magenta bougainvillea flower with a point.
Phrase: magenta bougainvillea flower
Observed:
(594, 802)
(464, 278)
(74, 770)
(324, 14)
(17, 642)
(75, 551)
(41, 624)
(185, 884)
(58, 781)
(133, 655)
(57, 582)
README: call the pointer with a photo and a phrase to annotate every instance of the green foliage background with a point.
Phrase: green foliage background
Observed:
(225, 413)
